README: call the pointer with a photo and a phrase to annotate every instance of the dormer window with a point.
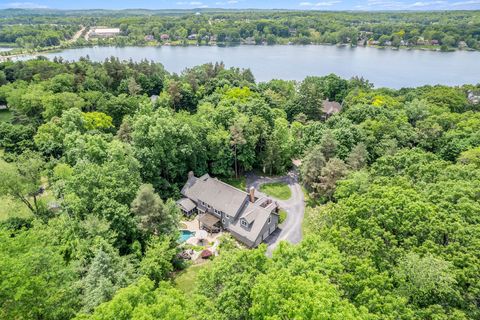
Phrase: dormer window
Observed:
(244, 223)
(269, 219)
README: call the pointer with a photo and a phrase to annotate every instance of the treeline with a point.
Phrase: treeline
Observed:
(97, 151)
(446, 29)
(35, 35)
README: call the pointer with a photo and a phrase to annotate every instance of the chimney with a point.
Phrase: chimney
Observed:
(190, 174)
(252, 194)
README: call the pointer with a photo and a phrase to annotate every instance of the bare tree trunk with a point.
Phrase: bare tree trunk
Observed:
(236, 166)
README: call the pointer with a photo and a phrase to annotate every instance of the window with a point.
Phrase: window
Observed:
(223, 221)
(269, 219)
(243, 223)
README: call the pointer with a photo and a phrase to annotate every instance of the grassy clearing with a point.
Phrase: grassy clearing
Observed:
(282, 216)
(10, 207)
(277, 190)
(239, 183)
(186, 280)
(5, 115)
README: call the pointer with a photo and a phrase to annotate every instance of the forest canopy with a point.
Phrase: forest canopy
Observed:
(93, 156)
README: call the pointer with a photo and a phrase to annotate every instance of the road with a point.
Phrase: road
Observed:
(291, 229)
(76, 35)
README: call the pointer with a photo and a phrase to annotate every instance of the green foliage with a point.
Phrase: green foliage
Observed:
(36, 282)
(142, 300)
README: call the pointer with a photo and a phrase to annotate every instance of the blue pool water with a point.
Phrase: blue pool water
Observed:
(185, 235)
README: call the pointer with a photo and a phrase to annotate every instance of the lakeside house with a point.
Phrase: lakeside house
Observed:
(164, 37)
(250, 217)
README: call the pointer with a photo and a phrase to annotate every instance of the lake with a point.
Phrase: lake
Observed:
(383, 67)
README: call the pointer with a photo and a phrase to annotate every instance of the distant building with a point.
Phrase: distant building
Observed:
(474, 97)
(434, 42)
(149, 37)
(164, 37)
(462, 45)
(3, 107)
(329, 108)
(192, 37)
(249, 40)
(104, 32)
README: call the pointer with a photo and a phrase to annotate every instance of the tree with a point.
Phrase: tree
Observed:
(157, 262)
(278, 151)
(154, 217)
(238, 138)
(426, 280)
(328, 145)
(280, 295)
(107, 273)
(143, 301)
(334, 170)
(36, 282)
(21, 180)
(358, 157)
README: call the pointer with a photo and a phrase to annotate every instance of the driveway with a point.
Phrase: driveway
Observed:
(291, 229)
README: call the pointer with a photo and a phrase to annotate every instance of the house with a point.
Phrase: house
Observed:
(249, 217)
(329, 108)
(434, 42)
(101, 32)
(192, 37)
(149, 37)
(473, 97)
(462, 45)
(164, 37)
(249, 41)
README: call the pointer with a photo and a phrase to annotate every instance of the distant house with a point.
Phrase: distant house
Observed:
(3, 107)
(373, 42)
(421, 42)
(434, 42)
(249, 217)
(473, 97)
(149, 37)
(101, 32)
(249, 41)
(164, 37)
(329, 108)
(462, 44)
(192, 37)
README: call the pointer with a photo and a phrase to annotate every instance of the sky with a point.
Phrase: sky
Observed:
(366, 5)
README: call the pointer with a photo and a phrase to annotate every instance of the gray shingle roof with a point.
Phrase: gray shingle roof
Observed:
(187, 204)
(216, 193)
(331, 107)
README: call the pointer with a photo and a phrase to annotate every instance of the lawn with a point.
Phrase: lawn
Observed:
(10, 207)
(239, 183)
(186, 280)
(5, 115)
(277, 190)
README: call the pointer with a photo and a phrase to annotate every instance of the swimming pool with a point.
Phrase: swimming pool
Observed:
(185, 235)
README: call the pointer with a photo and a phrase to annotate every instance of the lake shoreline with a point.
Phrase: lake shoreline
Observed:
(385, 67)
(37, 53)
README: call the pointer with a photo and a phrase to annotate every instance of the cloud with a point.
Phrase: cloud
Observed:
(318, 4)
(427, 3)
(26, 5)
(230, 2)
(465, 3)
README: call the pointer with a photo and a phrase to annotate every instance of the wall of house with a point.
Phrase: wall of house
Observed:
(266, 227)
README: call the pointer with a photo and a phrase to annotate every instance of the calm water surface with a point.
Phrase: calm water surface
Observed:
(383, 67)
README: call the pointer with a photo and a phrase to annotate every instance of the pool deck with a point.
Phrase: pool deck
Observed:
(194, 225)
